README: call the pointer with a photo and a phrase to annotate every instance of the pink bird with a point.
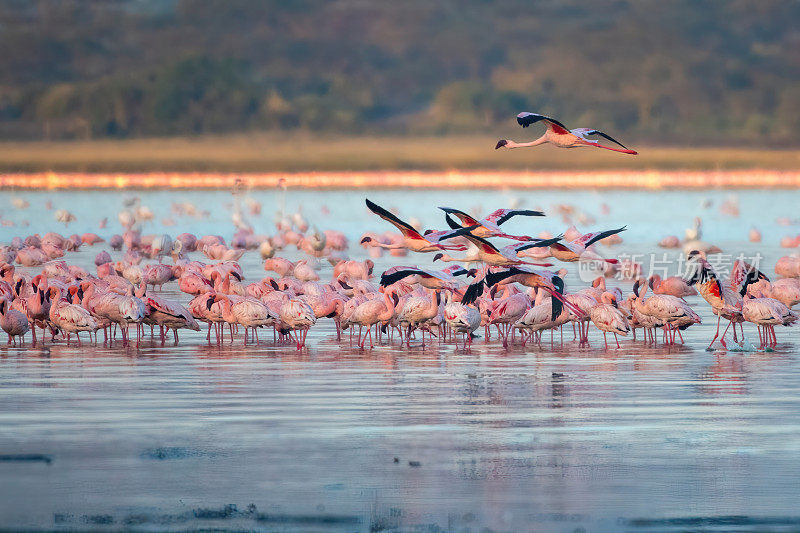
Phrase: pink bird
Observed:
(69, 318)
(413, 240)
(13, 322)
(558, 135)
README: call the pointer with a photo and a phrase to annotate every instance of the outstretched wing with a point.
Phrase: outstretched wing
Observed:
(438, 236)
(605, 136)
(501, 215)
(395, 275)
(482, 244)
(537, 243)
(591, 238)
(462, 216)
(526, 118)
(405, 228)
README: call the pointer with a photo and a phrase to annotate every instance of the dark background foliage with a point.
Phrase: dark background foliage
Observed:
(681, 71)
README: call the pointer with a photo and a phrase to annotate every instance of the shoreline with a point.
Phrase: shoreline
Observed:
(501, 179)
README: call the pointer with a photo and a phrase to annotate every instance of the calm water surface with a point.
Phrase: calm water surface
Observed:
(550, 438)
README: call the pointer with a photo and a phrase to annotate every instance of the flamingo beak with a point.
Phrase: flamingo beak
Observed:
(437, 257)
(501, 143)
(365, 239)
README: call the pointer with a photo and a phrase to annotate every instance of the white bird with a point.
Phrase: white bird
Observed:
(559, 135)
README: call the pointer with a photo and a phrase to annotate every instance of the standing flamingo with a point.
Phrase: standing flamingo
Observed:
(607, 317)
(69, 318)
(13, 322)
(558, 135)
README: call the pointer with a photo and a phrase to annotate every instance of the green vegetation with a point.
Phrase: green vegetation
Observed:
(647, 71)
(296, 152)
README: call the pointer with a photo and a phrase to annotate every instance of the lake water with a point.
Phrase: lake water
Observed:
(266, 438)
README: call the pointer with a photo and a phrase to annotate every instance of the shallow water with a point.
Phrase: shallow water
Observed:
(550, 438)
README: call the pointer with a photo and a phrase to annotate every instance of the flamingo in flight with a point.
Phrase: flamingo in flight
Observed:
(490, 225)
(412, 239)
(559, 135)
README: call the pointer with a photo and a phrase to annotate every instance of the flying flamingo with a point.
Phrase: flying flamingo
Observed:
(431, 279)
(494, 256)
(558, 135)
(490, 226)
(412, 239)
(572, 251)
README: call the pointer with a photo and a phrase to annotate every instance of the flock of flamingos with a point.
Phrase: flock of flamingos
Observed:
(508, 288)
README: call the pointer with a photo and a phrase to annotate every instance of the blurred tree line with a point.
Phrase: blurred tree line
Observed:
(676, 71)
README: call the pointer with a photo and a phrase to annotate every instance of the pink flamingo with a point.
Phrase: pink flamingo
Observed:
(69, 318)
(13, 322)
(558, 135)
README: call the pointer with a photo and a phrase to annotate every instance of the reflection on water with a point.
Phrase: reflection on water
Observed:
(342, 439)
(266, 438)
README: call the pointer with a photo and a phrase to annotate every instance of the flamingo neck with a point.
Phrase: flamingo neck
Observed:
(537, 142)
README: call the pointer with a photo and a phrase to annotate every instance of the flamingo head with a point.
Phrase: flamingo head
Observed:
(501, 143)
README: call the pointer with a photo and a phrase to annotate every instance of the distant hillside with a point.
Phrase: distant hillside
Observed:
(681, 71)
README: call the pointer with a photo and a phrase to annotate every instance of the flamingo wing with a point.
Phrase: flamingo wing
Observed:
(537, 243)
(462, 216)
(388, 278)
(603, 135)
(438, 236)
(526, 118)
(591, 238)
(405, 228)
(502, 215)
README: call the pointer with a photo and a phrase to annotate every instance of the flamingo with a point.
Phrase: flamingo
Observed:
(767, 313)
(462, 318)
(607, 317)
(490, 226)
(167, 314)
(725, 297)
(418, 310)
(412, 239)
(493, 256)
(374, 311)
(547, 312)
(558, 135)
(674, 285)
(13, 322)
(507, 310)
(575, 250)
(431, 279)
(296, 314)
(69, 318)
(245, 311)
(674, 312)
